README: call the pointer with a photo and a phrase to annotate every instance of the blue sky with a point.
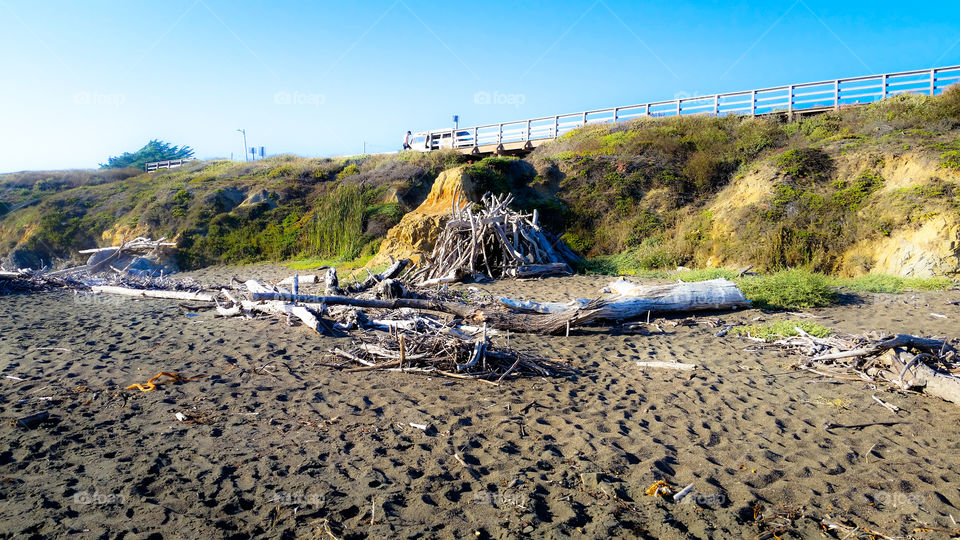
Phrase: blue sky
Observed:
(85, 80)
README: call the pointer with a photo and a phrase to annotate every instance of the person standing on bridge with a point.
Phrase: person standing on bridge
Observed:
(406, 141)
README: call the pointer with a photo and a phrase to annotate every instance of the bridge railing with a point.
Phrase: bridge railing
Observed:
(168, 164)
(806, 97)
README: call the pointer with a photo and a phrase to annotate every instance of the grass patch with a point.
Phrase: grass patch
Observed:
(788, 289)
(939, 283)
(705, 274)
(780, 329)
(885, 283)
(347, 270)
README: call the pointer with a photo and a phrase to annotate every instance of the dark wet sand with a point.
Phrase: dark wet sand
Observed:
(291, 448)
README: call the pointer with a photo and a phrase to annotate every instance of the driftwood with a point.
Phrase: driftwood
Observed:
(147, 293)
(373, 279)
(137, 244)
(332, 283)
(667, 365)
(136, 247)
(904, 361)
(302, 280)
(715, 294)
(636, 301)
(493, 240)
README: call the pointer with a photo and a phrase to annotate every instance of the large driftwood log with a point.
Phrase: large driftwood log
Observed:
(173, 295)
(706, 295)
(636, 300)
(908, 371)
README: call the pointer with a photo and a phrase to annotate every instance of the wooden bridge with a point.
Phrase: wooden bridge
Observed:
(791, 100)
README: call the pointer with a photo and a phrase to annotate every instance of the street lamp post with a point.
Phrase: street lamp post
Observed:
(244, 131)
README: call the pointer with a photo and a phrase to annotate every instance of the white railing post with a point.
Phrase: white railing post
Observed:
(716, 104)
(753, 103)
(933, 81)
(500, 134)
(556, 127)
(615, 109)
(584, 120)
(646, 110)
(678, 107)
(883, 86)
(476, 136)
(790, 101)
(836, 94)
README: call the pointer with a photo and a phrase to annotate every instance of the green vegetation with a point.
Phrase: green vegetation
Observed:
(788, 289)
(950, 160)
(883, 283)
(295, 208)
(152, 151)
(808, 164)
(638, 197)
(780, 329)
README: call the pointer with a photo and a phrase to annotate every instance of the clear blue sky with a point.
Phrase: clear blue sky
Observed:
(84, 80)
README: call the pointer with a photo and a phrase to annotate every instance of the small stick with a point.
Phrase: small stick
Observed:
(893, 408)
(683, 493)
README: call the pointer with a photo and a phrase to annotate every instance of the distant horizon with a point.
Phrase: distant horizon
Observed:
(318, 80)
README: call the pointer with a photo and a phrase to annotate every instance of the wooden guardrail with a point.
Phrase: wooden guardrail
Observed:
(168, 164)
(789, 99)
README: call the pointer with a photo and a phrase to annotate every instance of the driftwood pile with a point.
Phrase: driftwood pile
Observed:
(393, 336)
(494, 240)
(903, 361)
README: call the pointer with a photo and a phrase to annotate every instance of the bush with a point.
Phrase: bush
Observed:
(788, 289)
(810, 164)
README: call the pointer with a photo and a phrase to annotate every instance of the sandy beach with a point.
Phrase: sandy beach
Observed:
(280, 445)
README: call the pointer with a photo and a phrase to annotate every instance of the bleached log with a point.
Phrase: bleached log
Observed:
(667, 365)
(451, 278)
(716, 294)
(530, 306)
(309, 279)
(332, 282)
(255, 286)
(228, 311)
(282, 308)
(914, 373)
(173, 295)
